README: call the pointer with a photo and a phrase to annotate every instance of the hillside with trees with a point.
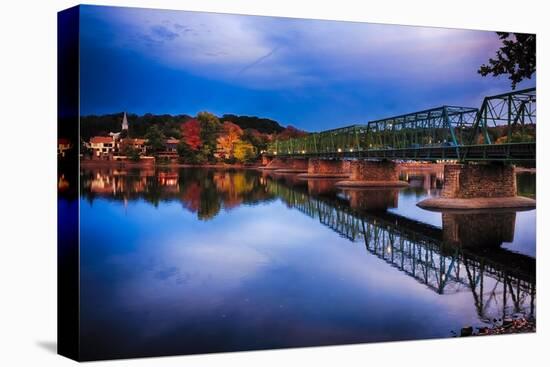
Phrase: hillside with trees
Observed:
(205, 138)
(96, 125)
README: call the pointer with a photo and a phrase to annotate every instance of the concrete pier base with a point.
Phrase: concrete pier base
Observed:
(326, 168)
(373, 174)
(487, 186)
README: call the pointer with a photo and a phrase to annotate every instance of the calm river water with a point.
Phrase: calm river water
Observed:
(178, 261)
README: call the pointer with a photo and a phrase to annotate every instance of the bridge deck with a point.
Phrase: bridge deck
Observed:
(512, 152)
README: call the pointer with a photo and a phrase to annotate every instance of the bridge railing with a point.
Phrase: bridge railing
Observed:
(442, 126)
(446, 125)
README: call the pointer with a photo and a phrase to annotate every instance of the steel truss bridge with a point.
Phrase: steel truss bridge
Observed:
(503, 129)
(417, 249)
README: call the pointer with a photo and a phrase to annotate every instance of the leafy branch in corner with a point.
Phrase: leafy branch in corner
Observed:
(516, 58)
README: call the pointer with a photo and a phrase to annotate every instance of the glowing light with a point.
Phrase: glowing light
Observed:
(339, 150)
(303, 152)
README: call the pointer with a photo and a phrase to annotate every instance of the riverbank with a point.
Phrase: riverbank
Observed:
(130, 164)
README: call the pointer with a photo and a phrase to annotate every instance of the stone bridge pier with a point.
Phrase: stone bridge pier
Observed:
(327, 168)
(373, 174)
(293, 165)
(478, 186)
(286, 165)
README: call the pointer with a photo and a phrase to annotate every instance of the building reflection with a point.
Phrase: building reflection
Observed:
(204, 192)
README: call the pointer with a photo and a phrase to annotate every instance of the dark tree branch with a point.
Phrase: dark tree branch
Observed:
(516, 58)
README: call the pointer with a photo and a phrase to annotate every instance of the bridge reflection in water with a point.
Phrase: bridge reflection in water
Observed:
(462, 256)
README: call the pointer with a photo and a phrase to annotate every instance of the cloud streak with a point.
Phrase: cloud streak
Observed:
(256, 62)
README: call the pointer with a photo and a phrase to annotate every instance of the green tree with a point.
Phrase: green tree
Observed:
(257, 139)
(186, 154)
(516, 58)
(243, 151)
(131, 152)
(155, 139)
(210, 128)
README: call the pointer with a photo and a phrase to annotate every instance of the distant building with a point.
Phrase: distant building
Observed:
(140, 145)
(102, 146)
(63, 145)
(170, 149)
(171, 145)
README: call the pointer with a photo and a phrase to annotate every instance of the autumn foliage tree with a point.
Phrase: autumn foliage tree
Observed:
(243, 151)
(205, 139)
(191, 134)
(190, 142)
(230, 134)
(290, 132)
(257, 139)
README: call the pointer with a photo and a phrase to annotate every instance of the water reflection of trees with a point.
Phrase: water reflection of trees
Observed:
(200, 191)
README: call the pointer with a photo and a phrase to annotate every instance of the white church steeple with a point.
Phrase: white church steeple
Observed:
(124, 122)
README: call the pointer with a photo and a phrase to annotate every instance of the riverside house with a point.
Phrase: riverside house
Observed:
(102, 147)
(139, 145)
(63, 145)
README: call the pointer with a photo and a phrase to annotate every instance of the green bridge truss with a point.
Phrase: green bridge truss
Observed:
(502, 129)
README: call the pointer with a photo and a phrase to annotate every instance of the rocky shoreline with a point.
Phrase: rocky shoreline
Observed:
(516, 325)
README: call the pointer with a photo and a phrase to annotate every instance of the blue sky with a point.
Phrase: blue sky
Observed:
(311, 74)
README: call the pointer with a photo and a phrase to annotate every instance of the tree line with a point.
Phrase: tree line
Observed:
(205, 138)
